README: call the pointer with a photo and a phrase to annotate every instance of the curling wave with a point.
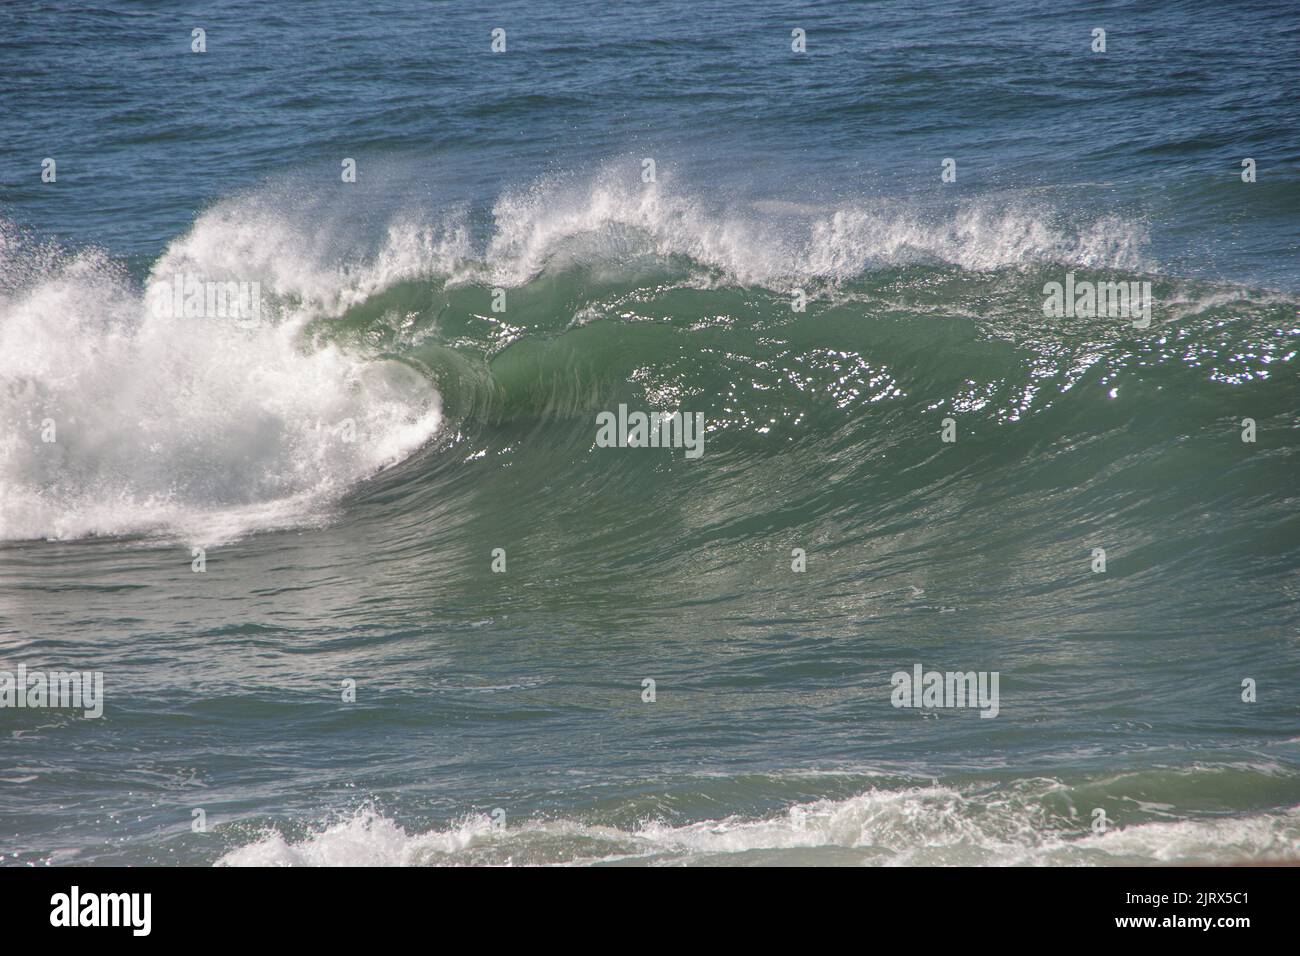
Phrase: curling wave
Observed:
(118, 421)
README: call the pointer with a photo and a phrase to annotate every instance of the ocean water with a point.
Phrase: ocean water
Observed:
(344, 464)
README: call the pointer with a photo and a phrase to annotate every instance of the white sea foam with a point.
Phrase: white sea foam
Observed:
(932, 825)
(607, 220)
(192, 427)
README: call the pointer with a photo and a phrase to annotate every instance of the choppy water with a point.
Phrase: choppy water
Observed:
(499, 716)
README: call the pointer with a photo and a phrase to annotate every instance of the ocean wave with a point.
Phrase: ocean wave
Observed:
(926, 825)
(207, 429)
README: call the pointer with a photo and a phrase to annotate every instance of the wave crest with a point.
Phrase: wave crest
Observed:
(610, 220)
(932, 825)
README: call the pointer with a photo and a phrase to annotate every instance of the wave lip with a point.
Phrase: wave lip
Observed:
(608, 220)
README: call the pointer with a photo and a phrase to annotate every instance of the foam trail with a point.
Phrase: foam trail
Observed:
(932, 825)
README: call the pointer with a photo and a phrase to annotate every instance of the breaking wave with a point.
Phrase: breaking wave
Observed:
(1035, 823)
(119, 421)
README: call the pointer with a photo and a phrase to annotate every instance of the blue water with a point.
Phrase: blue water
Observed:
(343, 465)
